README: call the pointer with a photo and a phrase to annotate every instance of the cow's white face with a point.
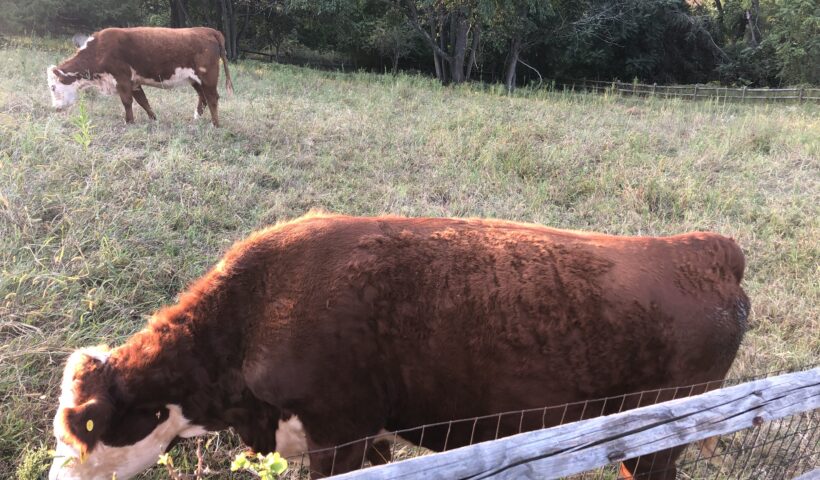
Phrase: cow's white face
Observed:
(62, 95)
(105, 461)
(96, 442)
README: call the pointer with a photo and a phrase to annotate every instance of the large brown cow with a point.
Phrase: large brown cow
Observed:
(122, 60)
(355, 325)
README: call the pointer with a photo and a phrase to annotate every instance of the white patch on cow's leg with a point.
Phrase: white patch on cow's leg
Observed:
(290, 437)
(202, 70)
(196, 113)
(105, 461)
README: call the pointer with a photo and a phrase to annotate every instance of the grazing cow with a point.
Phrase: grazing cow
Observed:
(122, 60)
(345, 326)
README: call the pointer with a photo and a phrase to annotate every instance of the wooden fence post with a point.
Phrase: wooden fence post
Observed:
(800, 95)
(743, 94)
(654, 88)
(695, 95)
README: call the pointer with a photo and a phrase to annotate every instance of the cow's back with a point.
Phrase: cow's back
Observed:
(427, 320)
(154, 52)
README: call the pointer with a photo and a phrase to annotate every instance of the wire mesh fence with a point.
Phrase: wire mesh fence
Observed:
(778, 449)
(696, 92)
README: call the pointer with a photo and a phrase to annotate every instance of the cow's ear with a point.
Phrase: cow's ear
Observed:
(87, 422)
(57, 74)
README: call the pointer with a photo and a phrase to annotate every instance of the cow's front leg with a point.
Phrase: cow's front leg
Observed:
(325, 462)
(139, 96)
(127, 98)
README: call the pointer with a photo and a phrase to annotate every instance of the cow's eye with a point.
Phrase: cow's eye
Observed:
(53, 87)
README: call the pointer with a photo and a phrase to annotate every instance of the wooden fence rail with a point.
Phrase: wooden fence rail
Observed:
(577, 447)
(699, 92)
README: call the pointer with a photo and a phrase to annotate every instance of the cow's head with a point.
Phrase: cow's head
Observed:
(63, 87)
(99, 433)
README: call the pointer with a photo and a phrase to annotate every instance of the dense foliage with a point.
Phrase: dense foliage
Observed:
(738, 42)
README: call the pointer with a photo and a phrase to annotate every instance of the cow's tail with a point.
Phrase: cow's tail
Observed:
(224, 55)
(734, 258)
(734, 261)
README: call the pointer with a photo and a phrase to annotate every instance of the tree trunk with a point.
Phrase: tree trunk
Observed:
(751, 18)
(226, 25)
(229, 28)
(445, 62)
(515, 50)
(244, 26)
(436, 60)
(473, 50)
(752, 36)
(234, 32)
(395, 58)
(459, 35)
(179, 17)
(719, 8)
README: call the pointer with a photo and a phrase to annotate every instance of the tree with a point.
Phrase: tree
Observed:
(392, 36)
(451, 28)
(794, 35)
(179, 13)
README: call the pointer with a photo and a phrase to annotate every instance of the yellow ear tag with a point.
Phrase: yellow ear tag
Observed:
(89, 425)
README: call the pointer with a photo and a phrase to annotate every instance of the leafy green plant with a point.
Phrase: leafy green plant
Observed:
(84, 126)
(34, 463)
(167, 460)
(266, 467)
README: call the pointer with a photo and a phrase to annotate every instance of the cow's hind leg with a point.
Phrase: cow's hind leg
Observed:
(656, 466)
(127, 98)
(201, 103)
(212, 99)
(142, 100)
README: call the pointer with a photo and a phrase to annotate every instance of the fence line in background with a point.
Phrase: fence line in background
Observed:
(693, 92)
(697, 92)
(577, 447)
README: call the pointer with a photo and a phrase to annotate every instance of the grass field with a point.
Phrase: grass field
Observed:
(95, 237)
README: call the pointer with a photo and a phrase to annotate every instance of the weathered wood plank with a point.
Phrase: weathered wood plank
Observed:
(813, 475)
(582, 446)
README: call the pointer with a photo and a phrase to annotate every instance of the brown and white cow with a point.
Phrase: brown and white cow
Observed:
(122, 60)
(352, 325)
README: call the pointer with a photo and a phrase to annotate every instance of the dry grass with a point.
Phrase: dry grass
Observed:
(92, 240)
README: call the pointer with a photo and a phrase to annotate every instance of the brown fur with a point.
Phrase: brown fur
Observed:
(153, 53)
(357, 324)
